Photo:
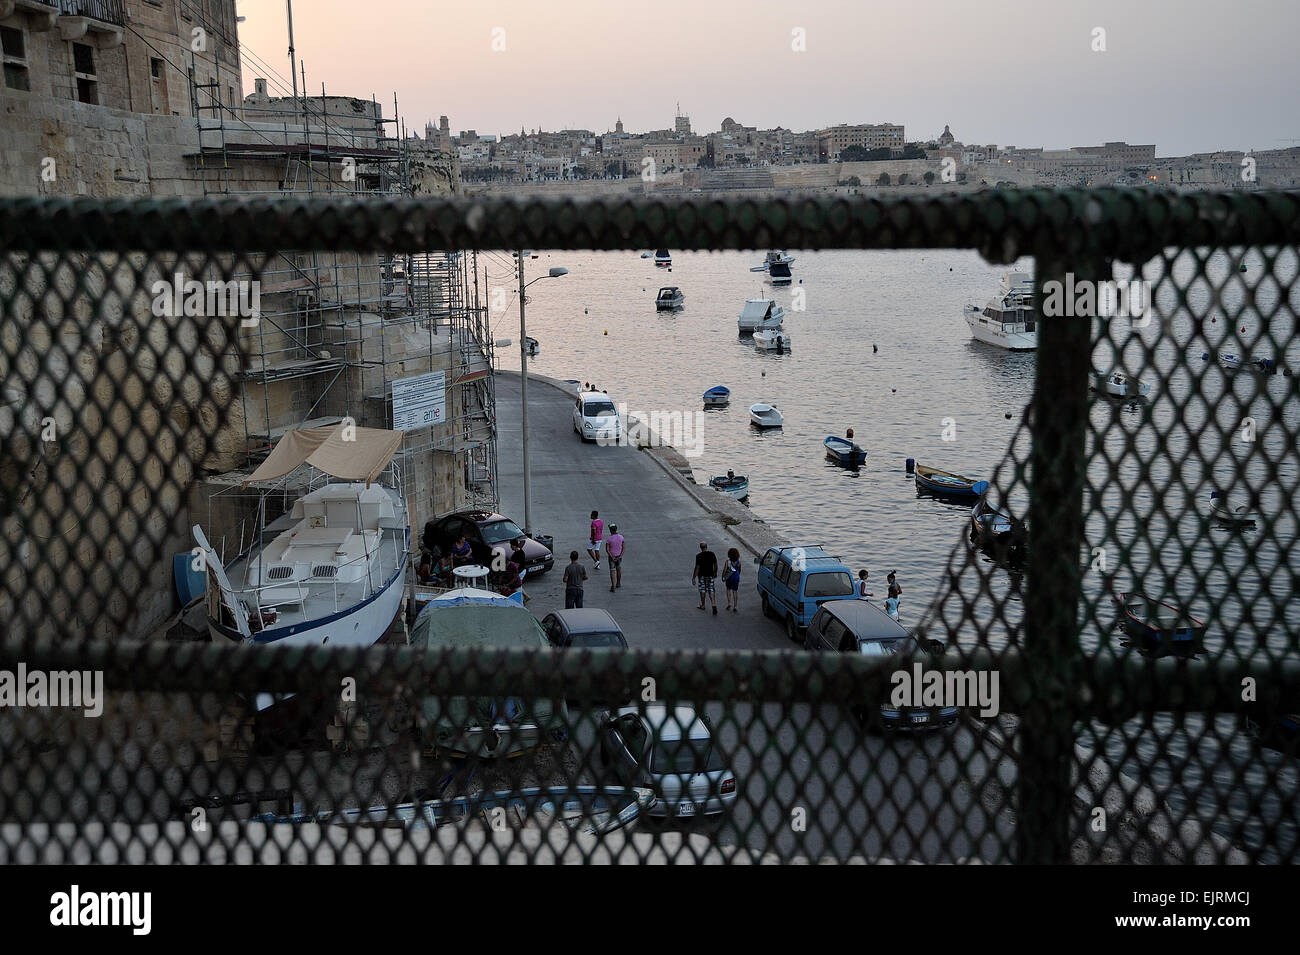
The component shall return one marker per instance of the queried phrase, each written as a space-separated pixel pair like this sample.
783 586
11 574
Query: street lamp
555 273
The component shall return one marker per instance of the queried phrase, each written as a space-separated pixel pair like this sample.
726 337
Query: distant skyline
1187 75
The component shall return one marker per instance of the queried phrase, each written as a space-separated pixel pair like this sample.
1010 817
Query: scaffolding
337 329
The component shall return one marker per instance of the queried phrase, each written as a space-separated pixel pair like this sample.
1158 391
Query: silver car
669 750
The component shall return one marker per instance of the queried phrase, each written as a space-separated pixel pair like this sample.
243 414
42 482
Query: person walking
731 577
863 592
593 541
706 569
574 575
615 547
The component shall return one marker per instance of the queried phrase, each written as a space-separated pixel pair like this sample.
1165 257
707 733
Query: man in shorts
593 541
706 569
615 548
574 575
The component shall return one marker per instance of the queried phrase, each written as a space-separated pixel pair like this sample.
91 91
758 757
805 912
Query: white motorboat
670 297
760 314
772 339
766 415
329 570
1119 385
662 259
1010 320
774 258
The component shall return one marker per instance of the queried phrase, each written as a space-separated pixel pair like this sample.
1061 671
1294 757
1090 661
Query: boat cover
359 456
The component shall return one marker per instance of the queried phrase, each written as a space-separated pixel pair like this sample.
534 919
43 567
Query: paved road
902 798
663 526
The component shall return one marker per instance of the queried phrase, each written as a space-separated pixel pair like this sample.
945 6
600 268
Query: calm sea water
879 345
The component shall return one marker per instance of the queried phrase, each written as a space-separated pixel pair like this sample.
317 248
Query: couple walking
706 570
575 574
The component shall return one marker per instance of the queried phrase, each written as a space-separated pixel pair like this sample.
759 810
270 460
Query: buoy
911 465
874 349
893 391
950 268
586 311
1008 415
1243 267
849 434
1243 328
1205 356
763 374
607 331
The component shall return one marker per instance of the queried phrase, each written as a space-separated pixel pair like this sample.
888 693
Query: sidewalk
662 518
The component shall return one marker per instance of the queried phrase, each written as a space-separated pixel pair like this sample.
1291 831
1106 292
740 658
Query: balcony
103 17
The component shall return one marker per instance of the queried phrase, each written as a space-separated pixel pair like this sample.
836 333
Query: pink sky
1189 75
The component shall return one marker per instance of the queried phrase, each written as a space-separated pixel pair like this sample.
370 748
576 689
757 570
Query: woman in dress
731 576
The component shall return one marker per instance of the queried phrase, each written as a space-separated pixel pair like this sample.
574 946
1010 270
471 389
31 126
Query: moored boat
990 526
948 484
1154 621
760 314
1238 515
773 339
663 259
1119 385
766 415
1010 319
532 346
843 451
779 274
669 297
717 396
736 485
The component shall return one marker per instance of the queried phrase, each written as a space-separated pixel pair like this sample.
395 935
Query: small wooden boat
669 298
844 452
736 485
766 415
717 396
1240 515
1119 385
1146 618
773 339
948 484
991 526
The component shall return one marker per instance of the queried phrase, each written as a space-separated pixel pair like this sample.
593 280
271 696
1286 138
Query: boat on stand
1010 319
331 568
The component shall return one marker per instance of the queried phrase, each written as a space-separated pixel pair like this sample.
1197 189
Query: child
891 606
863 592
894 589
597 532
731 576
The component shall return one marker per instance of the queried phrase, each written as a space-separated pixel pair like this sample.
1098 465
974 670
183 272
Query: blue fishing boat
844 452
717 396
948 484
1146 618
736 485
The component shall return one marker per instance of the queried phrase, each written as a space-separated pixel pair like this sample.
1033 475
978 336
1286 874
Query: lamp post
555 273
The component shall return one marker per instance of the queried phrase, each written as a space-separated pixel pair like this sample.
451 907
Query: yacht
331 568
1010 320
760 314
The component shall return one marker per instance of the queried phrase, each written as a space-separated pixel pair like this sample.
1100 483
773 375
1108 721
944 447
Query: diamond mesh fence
1125 587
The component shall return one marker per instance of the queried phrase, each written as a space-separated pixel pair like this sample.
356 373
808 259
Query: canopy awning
342 451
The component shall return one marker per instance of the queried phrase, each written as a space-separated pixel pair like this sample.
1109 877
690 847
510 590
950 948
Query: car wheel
791 629
767 608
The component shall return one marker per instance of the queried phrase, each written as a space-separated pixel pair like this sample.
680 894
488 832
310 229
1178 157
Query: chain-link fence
1151 487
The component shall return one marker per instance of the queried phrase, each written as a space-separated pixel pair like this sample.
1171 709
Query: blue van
794 581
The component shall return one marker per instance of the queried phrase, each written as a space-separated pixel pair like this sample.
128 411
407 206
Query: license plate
920 717
686 809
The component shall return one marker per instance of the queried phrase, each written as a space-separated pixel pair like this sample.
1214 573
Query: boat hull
738 490
766 422
948 485
845 453
994 334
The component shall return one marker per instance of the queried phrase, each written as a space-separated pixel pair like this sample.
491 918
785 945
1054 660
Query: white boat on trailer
331 569
1010 319
766 415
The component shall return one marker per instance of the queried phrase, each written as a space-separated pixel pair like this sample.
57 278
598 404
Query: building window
15 59
156 67
83 58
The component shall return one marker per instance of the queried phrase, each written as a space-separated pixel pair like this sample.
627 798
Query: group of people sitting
436 569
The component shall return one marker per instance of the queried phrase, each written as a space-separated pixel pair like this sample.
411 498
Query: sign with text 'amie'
419 401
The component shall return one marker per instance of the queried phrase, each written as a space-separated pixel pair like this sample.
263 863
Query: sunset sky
1188 75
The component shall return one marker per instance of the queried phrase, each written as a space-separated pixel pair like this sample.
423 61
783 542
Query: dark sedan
489 535
590 627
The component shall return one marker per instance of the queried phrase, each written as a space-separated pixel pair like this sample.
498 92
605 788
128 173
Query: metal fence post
1058 422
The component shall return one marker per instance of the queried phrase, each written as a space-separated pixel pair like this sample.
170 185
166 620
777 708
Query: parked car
857 626
595 417
489 534
793 582
588 627
671 751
